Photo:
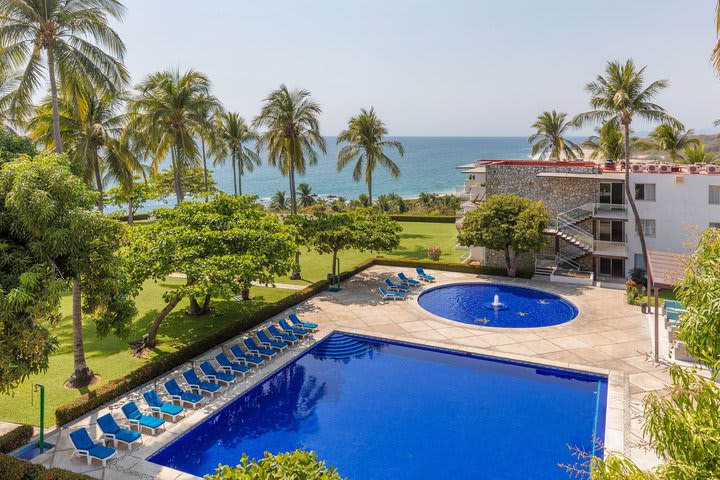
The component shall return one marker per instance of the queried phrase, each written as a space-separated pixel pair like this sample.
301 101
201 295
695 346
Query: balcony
610 211
603 248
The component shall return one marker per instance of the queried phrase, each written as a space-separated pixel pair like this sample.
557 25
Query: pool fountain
496 304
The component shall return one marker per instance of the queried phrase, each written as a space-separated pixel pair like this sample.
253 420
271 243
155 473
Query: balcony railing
610 249
609 210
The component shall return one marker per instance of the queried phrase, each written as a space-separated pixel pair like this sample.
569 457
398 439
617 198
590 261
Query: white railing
566 227
612 249
609 209
562 260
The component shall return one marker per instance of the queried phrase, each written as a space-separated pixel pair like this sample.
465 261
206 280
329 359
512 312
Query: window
639 261
714 194
645 191
612 267
714 224
648 227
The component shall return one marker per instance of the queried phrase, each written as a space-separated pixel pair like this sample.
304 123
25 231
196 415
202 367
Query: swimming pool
377 409
519 307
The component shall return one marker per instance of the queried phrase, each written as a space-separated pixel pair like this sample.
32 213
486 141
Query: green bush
449 267
424 218
15 438
285 466
12 468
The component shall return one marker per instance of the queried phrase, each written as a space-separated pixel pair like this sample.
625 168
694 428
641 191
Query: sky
430 68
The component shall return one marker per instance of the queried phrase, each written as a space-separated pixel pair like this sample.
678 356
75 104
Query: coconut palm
428 199
207 133
71 38
167 113
621 95
608 144
384 203
698 154
232 136
305 195
90 129
549 139
291 137
716 51
365 135
279 202
672 138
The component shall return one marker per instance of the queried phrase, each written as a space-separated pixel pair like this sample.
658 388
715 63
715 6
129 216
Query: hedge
424 218
114 388
12 468
15 438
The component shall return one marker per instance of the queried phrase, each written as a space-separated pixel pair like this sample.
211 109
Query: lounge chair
135 417
424 276
85 447
241 356
288 337
391 295
229 366
266 341
313 327
112 431
294 330
255 348
177 394
215 376
161 408
199 386
410 282
392 287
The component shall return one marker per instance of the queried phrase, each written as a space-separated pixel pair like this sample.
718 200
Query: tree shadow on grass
409 236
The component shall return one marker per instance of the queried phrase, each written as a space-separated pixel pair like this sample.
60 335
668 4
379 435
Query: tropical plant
448 204
698 154
608 145
621 95
398 203
508 223
716 51
279 202
167 113
284 466
434 253
133 194
339 205
384 203
365 136
207 133
193 180
13 145
305 195
549 139
232 136
672 138
428 199
73 38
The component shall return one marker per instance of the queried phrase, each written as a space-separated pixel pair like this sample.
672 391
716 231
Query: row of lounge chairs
253 353
399 291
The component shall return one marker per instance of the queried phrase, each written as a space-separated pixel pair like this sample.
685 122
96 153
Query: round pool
497 305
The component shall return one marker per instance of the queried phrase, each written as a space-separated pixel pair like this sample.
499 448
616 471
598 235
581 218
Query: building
593 229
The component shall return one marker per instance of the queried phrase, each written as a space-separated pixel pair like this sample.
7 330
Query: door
612 193
612 267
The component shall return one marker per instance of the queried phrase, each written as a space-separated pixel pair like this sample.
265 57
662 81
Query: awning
667 269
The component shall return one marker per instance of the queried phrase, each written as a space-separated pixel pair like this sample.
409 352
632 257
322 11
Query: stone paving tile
542 346
414 326
569 343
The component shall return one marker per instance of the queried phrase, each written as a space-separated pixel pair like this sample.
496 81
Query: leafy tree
50 210
61 35
221 246
284 466
428 199
362 229
509 223
621 96
306 196
672 138
698 154
193 181
338 205
608 145
364 200
448 204
169 110
13 145
134 195
550 137
365 136
232 136
279 202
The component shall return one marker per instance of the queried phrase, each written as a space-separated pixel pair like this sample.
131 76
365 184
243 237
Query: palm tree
306 196
279 202
621 95
292 133
384 203
70 39
207 132
90 128
549 137
716 51
232 136
608 144
366 145
698 154
167 113
673 139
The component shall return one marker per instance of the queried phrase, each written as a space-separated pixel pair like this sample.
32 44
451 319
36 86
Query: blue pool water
522 307
384 410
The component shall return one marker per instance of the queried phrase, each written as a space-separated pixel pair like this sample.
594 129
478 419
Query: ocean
428 166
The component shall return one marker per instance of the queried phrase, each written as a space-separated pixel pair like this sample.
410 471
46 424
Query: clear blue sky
446 67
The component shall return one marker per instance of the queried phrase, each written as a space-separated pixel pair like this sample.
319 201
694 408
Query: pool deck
608 337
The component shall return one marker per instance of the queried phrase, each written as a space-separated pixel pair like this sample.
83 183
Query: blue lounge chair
266 341
161 408
112 431
313 327
199 386
294 330
241 356
231 367
288 337
392 287
391 295
410 282
85 447
135 417
424 276
255 348
215 376
178 394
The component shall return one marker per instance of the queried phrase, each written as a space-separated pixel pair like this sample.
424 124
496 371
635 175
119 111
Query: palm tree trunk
130 211
82 375
240 175
54 96
99 182
369 183
205 175
232 160
179 195
631 201
295 275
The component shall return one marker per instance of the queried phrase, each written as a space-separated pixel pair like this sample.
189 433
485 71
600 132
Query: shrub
424 218
634 292
284 466
15 438
12 468
434 253
450 267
